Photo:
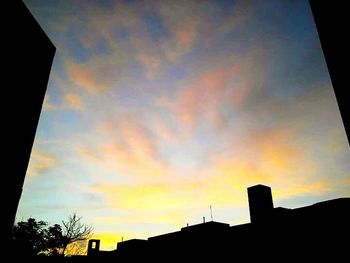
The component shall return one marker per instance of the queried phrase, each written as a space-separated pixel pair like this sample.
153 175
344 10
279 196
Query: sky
156 110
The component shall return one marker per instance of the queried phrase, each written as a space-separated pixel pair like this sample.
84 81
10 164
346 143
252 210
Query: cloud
47 104
185 36
164 132
269 159
152 191
73 101
114 39
88 153
217 90
276 150
84 77
241 12
271 154
130 149
283 148
130 162
182 42
41 163
150 63
208 93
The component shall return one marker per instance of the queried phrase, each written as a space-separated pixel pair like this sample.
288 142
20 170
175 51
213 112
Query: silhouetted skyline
156 111
272 233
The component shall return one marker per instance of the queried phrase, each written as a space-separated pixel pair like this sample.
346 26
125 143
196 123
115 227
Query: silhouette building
312 232
93 247
260 203
27 63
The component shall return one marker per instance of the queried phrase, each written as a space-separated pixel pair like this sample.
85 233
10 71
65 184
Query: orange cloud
73 100
41 162
84 77
277 149
130 162
133 151
270 157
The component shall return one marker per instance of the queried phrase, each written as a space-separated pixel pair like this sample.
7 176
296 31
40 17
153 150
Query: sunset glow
156 110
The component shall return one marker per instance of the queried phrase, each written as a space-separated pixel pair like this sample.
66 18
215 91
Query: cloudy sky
156 110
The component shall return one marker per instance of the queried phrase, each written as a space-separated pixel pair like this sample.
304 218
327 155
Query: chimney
93 247
260 203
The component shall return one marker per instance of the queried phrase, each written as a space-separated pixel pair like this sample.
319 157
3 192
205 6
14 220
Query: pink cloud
181 42
131 151
150 63
211 90
185 36
131 162
137 137
164 132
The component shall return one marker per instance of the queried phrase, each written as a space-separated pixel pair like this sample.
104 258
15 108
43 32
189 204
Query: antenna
211 213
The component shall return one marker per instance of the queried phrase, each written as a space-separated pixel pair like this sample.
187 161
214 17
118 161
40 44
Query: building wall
27 63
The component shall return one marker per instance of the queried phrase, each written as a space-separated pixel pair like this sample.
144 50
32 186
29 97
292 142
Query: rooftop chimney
93 247
260 203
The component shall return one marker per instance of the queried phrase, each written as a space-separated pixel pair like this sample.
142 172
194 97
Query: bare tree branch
74 231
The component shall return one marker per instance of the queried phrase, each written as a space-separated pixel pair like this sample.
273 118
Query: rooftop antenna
203 219
211 213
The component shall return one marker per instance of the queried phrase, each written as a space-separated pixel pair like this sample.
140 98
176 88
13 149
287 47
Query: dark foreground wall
27 57
332 19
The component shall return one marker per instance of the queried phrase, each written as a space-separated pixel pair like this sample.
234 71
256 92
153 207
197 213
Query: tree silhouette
33 237
30 237
74 231
54 240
